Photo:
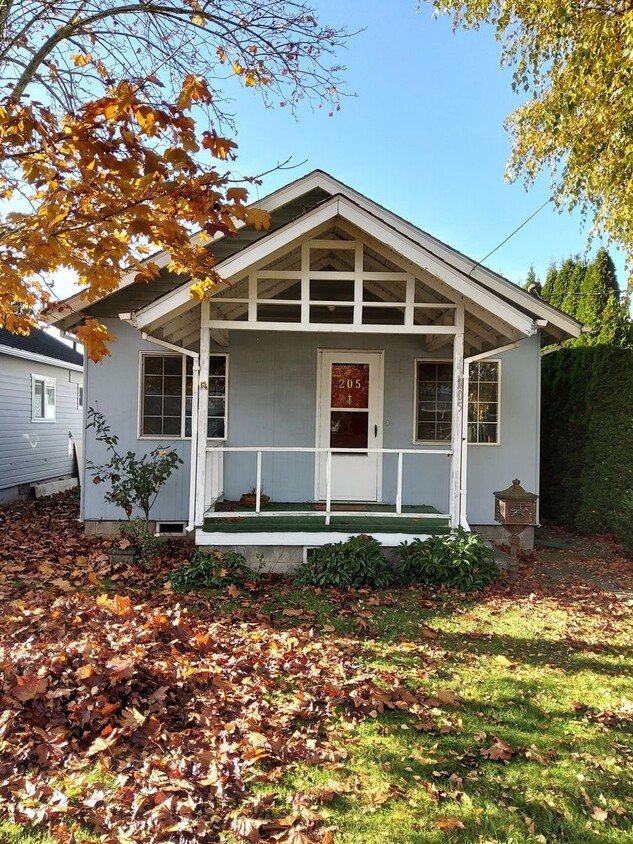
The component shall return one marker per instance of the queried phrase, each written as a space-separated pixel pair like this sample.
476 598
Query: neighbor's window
166 396
434 397
43 398
80 397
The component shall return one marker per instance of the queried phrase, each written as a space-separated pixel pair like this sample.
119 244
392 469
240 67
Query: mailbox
515 506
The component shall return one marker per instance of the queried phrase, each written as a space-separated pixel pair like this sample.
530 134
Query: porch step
287 523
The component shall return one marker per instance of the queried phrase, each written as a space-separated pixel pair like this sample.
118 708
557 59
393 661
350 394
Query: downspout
195 357
463 521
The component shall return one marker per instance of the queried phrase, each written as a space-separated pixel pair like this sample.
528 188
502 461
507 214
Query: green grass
515 672
516 664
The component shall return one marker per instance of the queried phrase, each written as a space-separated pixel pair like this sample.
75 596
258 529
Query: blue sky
424 137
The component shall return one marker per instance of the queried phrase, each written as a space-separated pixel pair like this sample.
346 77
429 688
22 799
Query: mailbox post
515 509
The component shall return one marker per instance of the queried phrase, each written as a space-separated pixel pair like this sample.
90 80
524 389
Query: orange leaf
448 823
29 687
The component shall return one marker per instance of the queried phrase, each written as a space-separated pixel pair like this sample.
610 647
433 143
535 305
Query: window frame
449 361
498 423
416 441
223 439
183 407
47 381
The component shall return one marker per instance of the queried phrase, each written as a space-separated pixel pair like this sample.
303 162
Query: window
434 397
80 397
166 396
42 399
434 401
483 402
216 425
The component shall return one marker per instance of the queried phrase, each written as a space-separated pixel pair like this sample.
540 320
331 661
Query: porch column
457 422
202 386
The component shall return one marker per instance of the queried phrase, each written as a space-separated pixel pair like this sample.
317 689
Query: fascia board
240 262
425 259
494 281
365 221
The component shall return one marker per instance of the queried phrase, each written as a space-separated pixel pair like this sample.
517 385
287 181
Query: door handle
375 430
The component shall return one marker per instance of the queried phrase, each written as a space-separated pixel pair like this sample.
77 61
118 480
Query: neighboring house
329 373
41 412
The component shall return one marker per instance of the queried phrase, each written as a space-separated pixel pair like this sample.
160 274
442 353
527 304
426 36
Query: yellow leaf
81 59
258 218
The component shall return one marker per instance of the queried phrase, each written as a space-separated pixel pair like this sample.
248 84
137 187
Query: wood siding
272 395
36 451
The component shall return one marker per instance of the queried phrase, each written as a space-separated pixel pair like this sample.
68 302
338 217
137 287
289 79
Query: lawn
133 713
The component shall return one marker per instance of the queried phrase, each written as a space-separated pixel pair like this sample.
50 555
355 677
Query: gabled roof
40 343
292 203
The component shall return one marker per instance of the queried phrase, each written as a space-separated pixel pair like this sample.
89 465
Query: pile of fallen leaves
139 720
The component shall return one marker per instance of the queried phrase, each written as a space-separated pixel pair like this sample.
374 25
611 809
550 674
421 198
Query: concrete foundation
51 487
497 533
274 559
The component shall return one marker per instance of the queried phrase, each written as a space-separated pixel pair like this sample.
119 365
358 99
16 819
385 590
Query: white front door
349 415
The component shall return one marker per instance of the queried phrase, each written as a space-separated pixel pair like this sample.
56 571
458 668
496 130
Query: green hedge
587 438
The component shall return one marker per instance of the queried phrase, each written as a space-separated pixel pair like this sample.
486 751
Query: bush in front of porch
460 560
358 562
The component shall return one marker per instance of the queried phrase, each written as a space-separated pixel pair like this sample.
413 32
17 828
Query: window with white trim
166 396
80 397
434 401
43 399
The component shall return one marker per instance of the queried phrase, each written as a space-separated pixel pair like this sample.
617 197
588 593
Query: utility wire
518 228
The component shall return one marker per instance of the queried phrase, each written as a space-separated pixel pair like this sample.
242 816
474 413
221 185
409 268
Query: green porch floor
284 521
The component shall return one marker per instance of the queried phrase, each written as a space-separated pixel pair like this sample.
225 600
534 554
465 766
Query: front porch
351 352
308 524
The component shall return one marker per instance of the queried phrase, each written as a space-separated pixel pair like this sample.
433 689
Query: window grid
434 392
43 399
167 392
483 402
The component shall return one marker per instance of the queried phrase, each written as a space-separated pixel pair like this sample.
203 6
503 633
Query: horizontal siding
35 451
113 386
272 401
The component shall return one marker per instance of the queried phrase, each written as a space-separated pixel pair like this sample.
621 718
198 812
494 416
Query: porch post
202 386
457 415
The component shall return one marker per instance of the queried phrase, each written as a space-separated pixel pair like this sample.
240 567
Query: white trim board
304 538
338 206
319 179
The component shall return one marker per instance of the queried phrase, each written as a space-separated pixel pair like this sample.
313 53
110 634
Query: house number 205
349 383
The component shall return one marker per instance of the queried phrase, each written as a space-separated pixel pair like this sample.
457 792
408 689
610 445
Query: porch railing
214 466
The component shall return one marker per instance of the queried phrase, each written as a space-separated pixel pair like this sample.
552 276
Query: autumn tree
115 134
574 60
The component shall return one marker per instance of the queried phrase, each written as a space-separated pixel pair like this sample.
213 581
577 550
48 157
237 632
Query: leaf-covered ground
131 713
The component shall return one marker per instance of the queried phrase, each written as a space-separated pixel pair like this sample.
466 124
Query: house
360 373
41 413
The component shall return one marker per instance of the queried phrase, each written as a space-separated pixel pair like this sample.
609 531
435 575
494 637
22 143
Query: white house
41 412
357 371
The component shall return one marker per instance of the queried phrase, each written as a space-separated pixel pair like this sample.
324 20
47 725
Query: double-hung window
434 401
43 399
166 396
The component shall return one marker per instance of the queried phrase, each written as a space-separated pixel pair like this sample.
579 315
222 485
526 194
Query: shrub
459 560
623 522
352 564
147 544
133 481
212 570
